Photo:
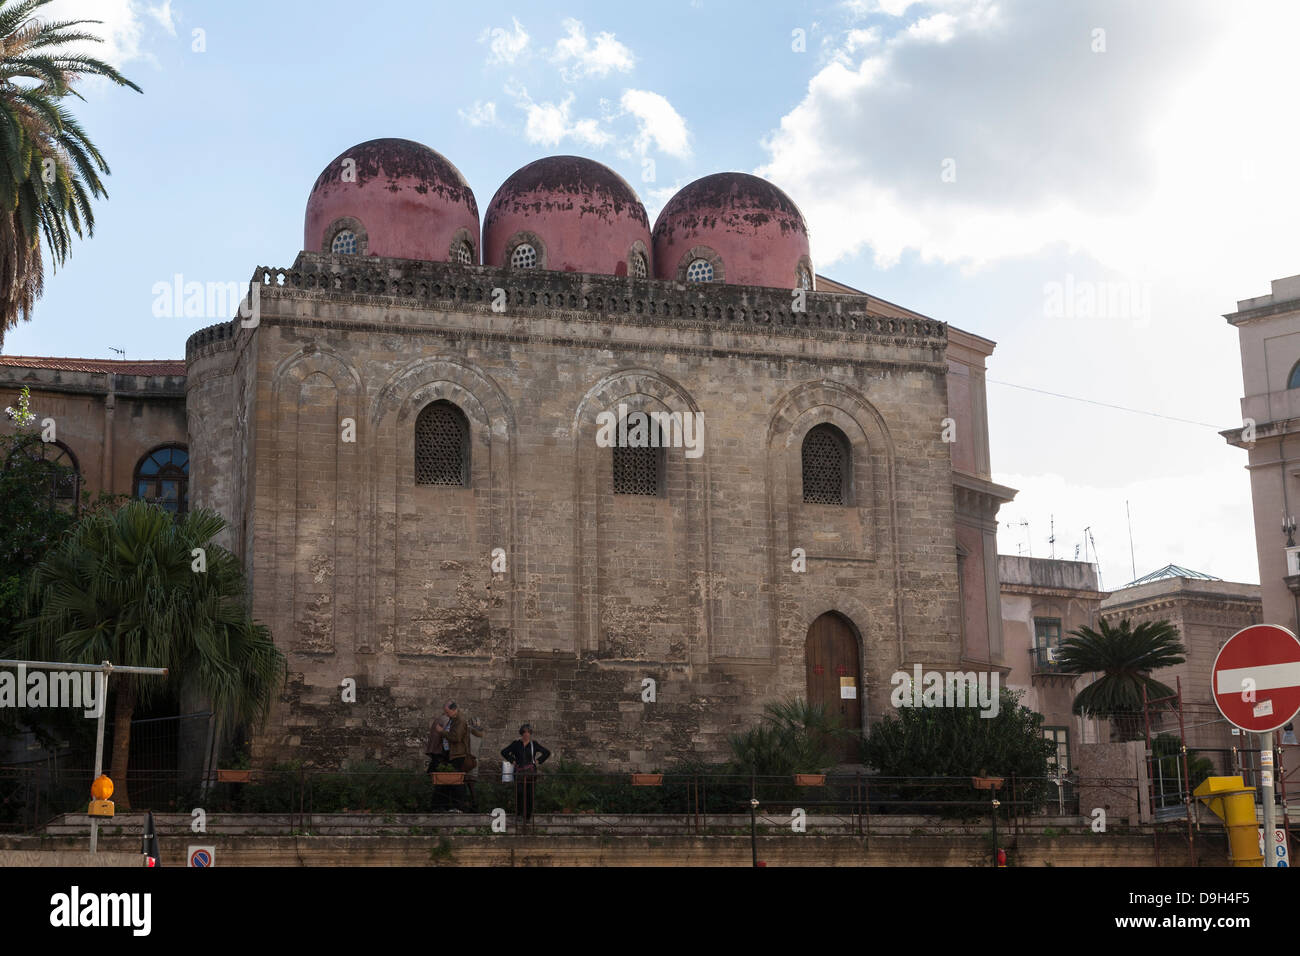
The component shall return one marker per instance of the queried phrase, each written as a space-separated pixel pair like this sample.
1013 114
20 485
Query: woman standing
527 755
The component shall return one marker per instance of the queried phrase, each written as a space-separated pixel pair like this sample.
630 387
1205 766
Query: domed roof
578 214
751 232
401 199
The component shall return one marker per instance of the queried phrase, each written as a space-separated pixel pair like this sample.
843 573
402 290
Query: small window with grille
462 253
442 445
700 270
639 464
826 466
524 257
638 266
803 278
345 242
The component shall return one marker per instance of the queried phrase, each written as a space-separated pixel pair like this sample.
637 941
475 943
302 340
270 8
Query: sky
1092 185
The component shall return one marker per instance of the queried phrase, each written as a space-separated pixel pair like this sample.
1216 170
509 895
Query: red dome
579 216
748 231
400 199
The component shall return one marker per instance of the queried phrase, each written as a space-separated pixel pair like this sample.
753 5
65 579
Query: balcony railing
1043 660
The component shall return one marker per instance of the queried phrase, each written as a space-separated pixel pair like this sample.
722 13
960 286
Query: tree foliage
127 586
1125 656
957 742
793 736
49 168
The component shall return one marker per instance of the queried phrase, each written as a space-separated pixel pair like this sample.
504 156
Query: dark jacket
521 755
433 746
458 737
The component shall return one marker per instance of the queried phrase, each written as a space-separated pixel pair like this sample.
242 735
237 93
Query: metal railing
306 800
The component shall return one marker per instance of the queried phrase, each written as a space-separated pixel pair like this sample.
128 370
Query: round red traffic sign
1256 678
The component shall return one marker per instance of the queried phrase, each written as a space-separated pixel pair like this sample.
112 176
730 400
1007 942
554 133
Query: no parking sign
201 856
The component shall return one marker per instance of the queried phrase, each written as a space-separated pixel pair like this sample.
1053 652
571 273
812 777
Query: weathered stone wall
364 574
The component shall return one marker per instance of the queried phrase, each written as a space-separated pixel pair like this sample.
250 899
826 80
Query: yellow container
1233 802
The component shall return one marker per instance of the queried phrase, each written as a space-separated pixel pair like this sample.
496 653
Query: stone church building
403 431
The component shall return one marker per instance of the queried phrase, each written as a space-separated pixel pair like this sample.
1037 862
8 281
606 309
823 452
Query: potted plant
239 771
444 774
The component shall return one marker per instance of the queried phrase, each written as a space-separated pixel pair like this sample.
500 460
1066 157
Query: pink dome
748 231
579 216
399 199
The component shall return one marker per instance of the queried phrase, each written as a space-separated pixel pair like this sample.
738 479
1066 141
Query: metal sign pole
101 671
101 680
1266 793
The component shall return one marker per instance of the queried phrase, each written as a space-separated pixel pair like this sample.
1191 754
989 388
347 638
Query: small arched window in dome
524 257
345 243
637 265
803 278
462 253
700 270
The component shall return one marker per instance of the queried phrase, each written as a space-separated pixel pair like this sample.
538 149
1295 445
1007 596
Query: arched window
638 457
345 242
1293 380
462 253
826 466
524 257
803 278
700 270
637 265
63 484
163 476
442 445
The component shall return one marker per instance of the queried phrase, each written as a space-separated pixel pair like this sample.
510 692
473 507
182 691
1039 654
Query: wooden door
831 654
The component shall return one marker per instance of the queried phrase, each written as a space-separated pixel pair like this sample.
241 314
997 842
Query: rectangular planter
647 779
234 776
810 779
445 778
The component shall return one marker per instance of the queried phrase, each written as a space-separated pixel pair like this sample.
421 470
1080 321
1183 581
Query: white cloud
579 57
1118 155
480 114
505 46
121 28
657 123
549 124
163 14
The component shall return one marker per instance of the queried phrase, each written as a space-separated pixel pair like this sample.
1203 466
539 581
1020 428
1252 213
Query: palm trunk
123 708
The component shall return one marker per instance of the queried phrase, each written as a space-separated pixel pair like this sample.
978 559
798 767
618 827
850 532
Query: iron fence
562 801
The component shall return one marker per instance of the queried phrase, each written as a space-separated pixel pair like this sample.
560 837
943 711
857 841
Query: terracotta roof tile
117 366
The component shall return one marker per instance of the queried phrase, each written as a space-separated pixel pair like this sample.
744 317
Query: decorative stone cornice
470 289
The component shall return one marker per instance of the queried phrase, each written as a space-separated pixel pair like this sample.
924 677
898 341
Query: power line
1089 401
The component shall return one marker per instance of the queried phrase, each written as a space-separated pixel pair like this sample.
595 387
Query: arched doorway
834 681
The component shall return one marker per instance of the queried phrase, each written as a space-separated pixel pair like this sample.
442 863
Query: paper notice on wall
848 689
1263 709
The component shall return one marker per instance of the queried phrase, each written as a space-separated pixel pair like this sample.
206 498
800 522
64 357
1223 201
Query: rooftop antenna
1131 558
1096 560
1051 539
1076 552
1028 540
121 352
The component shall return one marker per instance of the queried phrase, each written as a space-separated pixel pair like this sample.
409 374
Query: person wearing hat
527 755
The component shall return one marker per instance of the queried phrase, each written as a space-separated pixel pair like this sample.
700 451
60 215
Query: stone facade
364 574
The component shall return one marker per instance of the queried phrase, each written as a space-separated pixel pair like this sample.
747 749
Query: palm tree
1125 656
127 587
49 168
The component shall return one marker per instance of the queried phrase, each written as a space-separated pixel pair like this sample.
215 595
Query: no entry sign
1256 678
